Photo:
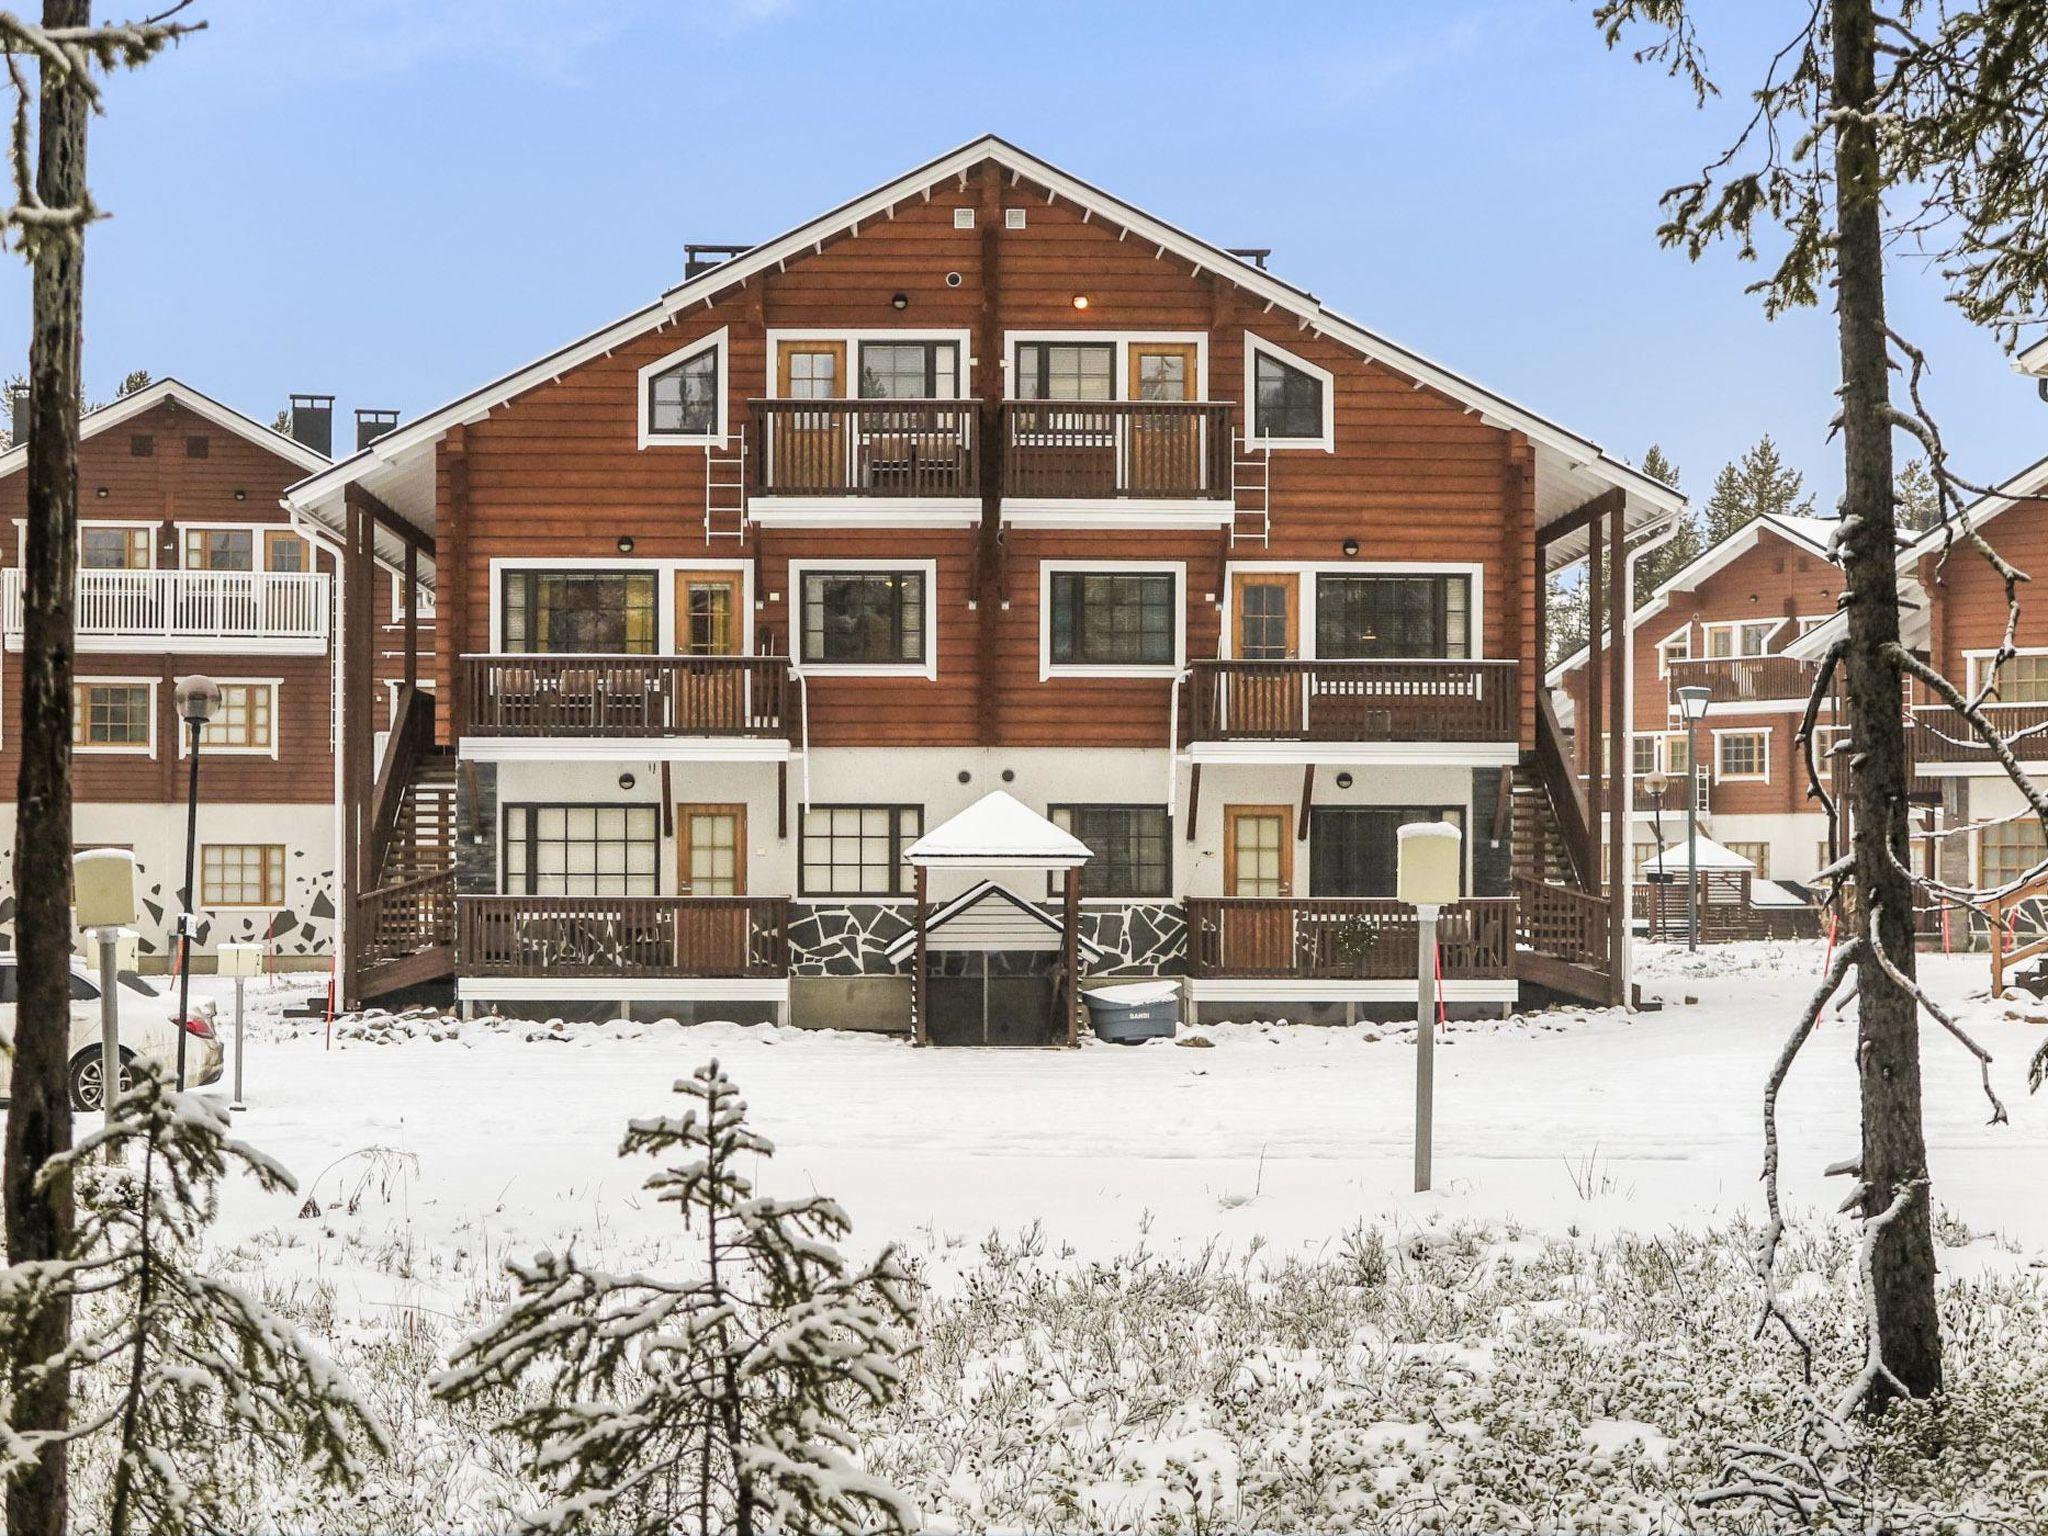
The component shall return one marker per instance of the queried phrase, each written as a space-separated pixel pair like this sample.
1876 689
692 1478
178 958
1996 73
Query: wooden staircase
1562 930
405 923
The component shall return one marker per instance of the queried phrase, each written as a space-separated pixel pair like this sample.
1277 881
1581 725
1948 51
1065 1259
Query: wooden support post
1194 797
782 801
1308 795
412 618
988 380
451 597
668 802
1070 943
919 1034
358 666
1618 759
1595 723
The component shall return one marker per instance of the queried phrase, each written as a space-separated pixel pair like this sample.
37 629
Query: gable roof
149 398
1815 534
1018 913
999 831
1572 469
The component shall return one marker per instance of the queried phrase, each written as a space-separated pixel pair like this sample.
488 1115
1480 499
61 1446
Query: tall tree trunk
39 1223
1888 1038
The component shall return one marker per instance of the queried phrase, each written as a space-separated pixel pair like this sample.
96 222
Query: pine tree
1917 498
1758 483
174 1367
709 1404
1684 546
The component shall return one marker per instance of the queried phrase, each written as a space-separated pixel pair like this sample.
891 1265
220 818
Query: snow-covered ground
1578 1119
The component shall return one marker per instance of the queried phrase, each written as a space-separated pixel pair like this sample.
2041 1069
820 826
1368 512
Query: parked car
149 1028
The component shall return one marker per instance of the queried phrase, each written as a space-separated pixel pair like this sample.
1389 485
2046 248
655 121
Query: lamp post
1692 704
197 698
103 887
1429 870
1654 784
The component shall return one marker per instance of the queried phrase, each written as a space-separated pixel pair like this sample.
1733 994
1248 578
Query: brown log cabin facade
1727 622
189 564
984 480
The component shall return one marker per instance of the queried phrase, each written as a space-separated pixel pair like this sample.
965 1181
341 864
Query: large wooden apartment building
984 481
189 564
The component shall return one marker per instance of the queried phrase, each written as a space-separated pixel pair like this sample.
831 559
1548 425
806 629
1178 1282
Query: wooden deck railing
882 448
1562 921
191 606
403 919
1344 938
1744 679
626 696
1467 701
1940 735
1154 450
606 936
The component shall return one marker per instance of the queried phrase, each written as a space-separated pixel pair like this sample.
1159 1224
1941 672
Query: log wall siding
557 471
170 487
1968 599
1773 578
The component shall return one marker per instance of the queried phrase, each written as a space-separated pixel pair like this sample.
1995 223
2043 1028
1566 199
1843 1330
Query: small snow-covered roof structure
998 831
1712 856
991 917
1769 893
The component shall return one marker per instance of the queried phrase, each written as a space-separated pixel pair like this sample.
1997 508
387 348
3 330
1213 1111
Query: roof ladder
1251 520
725 489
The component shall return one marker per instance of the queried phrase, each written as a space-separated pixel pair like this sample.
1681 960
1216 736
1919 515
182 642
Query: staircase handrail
1567 795
411 738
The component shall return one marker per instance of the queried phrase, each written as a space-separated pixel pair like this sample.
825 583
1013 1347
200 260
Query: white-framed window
245 724
114 715
2008 850
578 849
682 395
1111 618
2022 680
116 546
1646 755
1732 640
1742 755
866 618
217 546
857 850
1676 646
1289 401
1087 365
241 874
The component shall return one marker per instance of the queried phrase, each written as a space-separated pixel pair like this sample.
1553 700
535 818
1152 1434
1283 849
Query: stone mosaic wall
848 938
1140 939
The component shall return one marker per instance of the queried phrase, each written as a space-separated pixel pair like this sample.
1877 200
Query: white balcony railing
190 610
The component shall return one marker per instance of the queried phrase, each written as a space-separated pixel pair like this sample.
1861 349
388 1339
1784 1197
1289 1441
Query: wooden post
1595 722
358 655
412 616
1618 763
451 608
1194 797
988 380
919 1034
1070 944
1308 795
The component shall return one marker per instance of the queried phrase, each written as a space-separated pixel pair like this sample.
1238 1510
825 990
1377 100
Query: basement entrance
993 997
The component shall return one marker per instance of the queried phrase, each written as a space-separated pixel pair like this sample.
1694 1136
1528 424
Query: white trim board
623 749
603 989
1430 754
1049 669
1219 989
928 668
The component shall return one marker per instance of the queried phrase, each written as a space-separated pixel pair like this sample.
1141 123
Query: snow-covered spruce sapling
187 1378
716 1402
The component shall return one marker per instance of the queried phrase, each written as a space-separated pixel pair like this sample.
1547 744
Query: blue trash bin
1132 1012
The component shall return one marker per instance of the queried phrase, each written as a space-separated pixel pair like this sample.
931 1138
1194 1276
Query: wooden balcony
627 696
1344 938
1736 680
190 610
1937 734
1353 701
1675 800
605 937
1117 450
905 449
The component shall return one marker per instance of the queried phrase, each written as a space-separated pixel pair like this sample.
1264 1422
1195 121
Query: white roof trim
1709 561
999 831
903 944
2033 359
130 406
2029 482
1497 410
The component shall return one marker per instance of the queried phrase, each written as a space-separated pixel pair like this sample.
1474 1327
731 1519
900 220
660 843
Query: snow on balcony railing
192 607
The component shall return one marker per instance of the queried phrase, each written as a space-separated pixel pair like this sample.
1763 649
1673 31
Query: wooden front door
711 699
808 449
1165 447
1265 611
711 861
1258 864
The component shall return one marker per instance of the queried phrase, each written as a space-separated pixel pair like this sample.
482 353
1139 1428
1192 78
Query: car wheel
86 1085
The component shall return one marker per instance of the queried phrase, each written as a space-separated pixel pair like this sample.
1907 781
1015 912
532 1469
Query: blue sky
395 200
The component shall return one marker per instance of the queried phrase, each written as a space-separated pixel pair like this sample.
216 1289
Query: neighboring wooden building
188 564
983 480
1724 623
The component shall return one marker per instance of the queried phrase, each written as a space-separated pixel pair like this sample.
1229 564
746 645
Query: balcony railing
1745 679
1940 735
1421 701
190 608
1090 450
611 936
1678 790
1345 938
880 448
1563 921
573 695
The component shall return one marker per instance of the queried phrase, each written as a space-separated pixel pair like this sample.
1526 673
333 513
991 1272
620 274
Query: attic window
142 446
682 395
1290 398
198 447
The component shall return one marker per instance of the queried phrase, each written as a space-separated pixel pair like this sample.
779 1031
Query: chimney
371 425
17 415
702 258
1255 254
312 423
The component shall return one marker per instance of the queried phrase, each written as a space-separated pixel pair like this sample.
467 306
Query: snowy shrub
718 1401
189 1392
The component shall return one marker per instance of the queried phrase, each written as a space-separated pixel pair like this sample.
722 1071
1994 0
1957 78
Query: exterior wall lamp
899 301
1350 548
625 543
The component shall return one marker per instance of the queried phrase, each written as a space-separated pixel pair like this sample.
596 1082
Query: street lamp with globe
198 698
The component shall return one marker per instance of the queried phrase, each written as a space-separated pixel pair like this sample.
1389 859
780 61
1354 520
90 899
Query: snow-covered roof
150 396
2034 359
1712 856
1571 468
1815 534
999 831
